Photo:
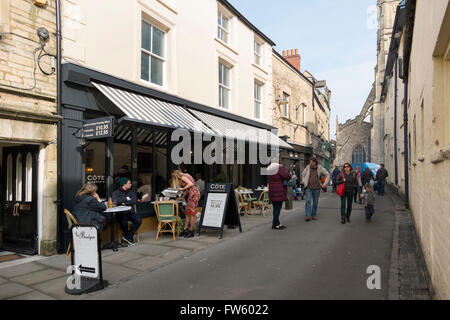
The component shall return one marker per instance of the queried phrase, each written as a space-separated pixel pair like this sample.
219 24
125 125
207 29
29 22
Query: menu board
98 128
220 208
85 245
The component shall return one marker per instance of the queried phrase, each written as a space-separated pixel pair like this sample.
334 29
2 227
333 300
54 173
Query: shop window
19 177
9 178
29 178
153 55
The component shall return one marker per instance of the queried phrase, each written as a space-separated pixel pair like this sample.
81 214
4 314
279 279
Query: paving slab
122 256
151 239
10 290
22 269
147 249
55 288
146 263
2 281
59 262
187 244
33 295
114 273
39 276
174 254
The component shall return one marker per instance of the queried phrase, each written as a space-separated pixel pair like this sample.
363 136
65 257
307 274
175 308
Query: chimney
293 58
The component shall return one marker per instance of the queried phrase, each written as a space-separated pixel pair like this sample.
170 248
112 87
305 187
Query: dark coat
351 181
335 174
125 198
87 210
382 174
366 176
277 190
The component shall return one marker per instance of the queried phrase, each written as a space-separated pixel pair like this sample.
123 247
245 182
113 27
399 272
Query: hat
123 181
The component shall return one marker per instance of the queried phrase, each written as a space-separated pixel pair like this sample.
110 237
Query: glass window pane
257 110
220 97
158 42
29 178
146 35
157 70
224 37
226 76
145 67
225 23
220 73
226 99
9 181
19 178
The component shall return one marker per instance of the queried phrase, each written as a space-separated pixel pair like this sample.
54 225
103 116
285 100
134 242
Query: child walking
369 202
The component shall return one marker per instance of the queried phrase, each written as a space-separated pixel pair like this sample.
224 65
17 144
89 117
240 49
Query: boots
183 233
348 219
189 234
343 220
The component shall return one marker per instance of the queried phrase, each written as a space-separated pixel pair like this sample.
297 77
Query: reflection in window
9 174
19 177
29 178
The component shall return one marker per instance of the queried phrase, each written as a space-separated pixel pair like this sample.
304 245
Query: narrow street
317 260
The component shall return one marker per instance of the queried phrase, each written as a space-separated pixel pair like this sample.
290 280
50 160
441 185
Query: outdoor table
246 191
113 243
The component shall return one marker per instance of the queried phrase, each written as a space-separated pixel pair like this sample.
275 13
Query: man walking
381 176
336 172
311 179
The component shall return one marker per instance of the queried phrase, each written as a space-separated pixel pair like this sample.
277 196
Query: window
359 155
257 49
152 54
304 114
19 177
258 100
9 178
286 105
29 178
223 28
224 86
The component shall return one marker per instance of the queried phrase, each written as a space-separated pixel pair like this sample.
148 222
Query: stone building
419 67
28 122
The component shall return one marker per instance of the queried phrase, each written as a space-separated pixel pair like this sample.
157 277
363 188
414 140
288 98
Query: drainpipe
395 121
59 130
405 131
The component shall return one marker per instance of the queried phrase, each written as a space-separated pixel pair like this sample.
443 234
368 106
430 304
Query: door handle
16 209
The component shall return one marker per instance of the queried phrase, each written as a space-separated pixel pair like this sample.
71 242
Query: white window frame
304 114
258 87
223 86
257 56
151 54
286 106
221 29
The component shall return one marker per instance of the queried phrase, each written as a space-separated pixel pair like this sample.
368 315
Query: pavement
314 260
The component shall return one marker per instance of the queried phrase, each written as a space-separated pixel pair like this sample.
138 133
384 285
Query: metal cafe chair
70 221
263 203
249 199
167 214
242 204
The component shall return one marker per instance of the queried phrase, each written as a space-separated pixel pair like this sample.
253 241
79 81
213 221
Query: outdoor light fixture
40 3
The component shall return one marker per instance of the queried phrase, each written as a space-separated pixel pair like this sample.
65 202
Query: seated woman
88 207
146 188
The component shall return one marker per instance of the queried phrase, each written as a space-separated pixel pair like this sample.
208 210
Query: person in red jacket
277 191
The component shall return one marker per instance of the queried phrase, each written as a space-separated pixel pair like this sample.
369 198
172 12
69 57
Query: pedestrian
186 184
381 176
88 207
126 197
367 177
277 191
311 179
336 172
359 185
348 177
369 202
200 184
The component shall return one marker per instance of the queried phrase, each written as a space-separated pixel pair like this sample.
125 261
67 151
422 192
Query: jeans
369 212
276 213
381 185
347 197
314 196
123 218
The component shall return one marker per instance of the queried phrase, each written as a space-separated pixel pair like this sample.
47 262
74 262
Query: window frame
154 55
258 88
221 29
286 107
223 86
257 55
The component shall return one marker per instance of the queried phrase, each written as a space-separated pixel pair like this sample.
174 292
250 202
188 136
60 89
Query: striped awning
142 108
144 137
240 131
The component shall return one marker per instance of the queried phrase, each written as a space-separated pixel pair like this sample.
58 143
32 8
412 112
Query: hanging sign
98 128
220 208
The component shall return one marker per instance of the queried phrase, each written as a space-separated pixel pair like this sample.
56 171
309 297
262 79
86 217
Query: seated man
124 196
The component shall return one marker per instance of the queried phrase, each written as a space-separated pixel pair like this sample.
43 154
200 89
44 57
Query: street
316 260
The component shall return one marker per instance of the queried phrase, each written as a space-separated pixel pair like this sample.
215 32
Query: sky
336 40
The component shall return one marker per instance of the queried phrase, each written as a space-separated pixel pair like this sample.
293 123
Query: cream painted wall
193 52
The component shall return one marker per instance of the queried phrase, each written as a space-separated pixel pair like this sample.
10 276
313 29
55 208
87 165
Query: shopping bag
341 188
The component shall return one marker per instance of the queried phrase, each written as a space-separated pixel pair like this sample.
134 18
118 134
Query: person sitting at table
126 197
186 183
88 207
146 188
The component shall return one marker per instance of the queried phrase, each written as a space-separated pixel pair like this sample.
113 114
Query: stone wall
348 137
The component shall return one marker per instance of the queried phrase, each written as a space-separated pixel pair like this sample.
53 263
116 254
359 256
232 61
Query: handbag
341 188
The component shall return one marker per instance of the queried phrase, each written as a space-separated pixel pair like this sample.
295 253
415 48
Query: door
20 167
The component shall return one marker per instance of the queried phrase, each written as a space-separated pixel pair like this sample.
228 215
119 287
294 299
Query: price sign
98 128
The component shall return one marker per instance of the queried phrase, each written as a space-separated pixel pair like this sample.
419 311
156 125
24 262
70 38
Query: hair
176 177
88 188
368 186
198 176
351 168
314 159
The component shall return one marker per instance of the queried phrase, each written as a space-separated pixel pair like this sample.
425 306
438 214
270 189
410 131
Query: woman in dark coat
277 191
348 176
88 207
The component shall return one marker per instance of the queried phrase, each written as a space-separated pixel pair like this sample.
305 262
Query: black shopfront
139 146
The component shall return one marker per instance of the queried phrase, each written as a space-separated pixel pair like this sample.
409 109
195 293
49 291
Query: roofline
230 7
82 76
278 55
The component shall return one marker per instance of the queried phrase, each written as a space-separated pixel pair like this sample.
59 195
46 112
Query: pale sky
335 38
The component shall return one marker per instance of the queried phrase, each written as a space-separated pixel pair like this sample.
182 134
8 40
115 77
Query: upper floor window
224 86
286 105
258 53
153 55
223 28
258 99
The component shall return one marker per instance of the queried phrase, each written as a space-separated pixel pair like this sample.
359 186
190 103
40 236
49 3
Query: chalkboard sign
219 208
98 128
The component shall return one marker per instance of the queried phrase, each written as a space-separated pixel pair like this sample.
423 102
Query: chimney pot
296 51
292 52
284 53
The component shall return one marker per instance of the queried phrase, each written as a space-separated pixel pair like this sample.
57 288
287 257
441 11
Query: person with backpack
347 181
381 176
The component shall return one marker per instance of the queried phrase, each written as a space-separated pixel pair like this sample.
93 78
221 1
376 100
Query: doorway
19 198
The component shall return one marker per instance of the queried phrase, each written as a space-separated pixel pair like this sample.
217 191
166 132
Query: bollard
288 205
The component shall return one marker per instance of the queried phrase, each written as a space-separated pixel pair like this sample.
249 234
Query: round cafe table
113 244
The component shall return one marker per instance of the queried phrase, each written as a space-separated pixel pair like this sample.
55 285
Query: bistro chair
70 222
167 214
263 203
249 199
138 238
242 203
